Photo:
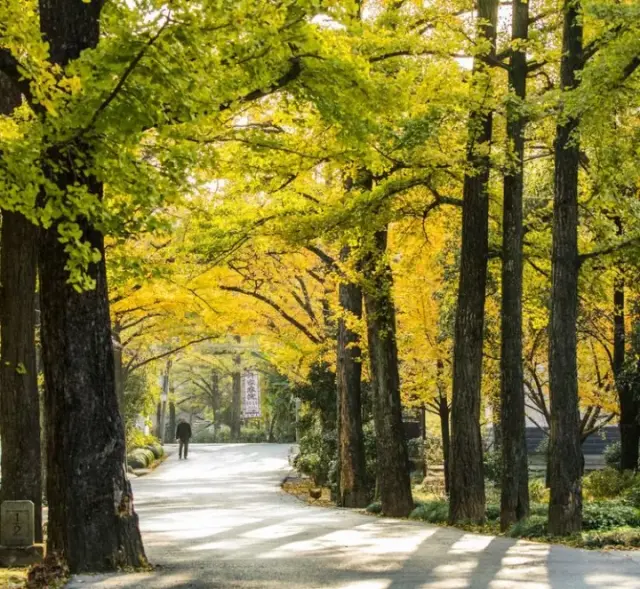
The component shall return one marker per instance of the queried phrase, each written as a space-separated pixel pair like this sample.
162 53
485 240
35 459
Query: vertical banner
250 394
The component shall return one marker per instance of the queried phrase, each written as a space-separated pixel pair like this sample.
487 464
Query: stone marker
17 535
17 523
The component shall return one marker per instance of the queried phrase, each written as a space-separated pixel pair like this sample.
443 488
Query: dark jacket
183 432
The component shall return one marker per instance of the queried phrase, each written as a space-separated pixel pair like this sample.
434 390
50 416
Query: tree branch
142 363
286 316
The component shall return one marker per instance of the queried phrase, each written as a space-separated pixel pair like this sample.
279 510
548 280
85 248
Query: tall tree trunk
443 414
236 398
467 500
172 421
215 402
514 500
565 506
19 396
446 441
92 523
629 427
393 460
352 476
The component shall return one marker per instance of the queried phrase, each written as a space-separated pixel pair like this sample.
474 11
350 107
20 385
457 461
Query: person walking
183 435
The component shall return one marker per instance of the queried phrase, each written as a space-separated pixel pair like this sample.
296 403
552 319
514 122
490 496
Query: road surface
220 520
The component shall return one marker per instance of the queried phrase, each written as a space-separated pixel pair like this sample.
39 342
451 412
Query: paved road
219 520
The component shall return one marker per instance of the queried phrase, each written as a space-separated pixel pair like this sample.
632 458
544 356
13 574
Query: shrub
317 451
415 448
375 507
534 527
535 509
626 536
607 483
435 512
140 458
538 492
613 455
543 446
248 435
632 494
493 466
138 439
157 449
605 515
539 509
204 436
370 451
252 435
493 511
435 454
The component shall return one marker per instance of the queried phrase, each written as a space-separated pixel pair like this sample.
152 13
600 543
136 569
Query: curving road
219 520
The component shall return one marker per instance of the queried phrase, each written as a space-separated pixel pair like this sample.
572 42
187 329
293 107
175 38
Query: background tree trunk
172 421
19 395
565 506
352 476
236 397
514 499
215 402
446 441
629 427
467 499
92 523
393 460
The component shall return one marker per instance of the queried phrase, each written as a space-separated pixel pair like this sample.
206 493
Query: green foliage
607 483
538 492
613 455
157 449
317 453
625 537
493 466
543 446
320 393
248 435
375 507
138 398
370 452
415 448
605 515
492 511
138 439
533 527
140 458
632 494
435 512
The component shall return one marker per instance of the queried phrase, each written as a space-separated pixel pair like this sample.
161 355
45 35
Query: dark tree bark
215 402
172 421
352 476
443 410
514 500
236 397
92 523
629 406
119 371
394 484
565 506
446 441
19 396
467 498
